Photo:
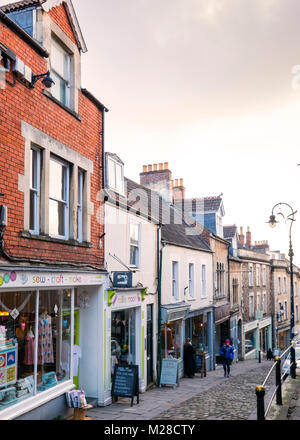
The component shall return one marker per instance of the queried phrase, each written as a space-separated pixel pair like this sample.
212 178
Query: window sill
60 104
34 402
70 242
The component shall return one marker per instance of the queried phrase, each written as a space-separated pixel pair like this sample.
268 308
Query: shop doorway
149 344
123 338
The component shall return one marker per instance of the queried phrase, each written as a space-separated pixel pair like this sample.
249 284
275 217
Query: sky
210 86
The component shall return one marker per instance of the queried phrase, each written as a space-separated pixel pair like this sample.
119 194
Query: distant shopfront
199 328
172 331
257 337
43 342
222 328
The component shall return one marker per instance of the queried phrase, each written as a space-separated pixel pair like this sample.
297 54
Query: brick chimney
241 237
262 245
248 237
178 190
158 177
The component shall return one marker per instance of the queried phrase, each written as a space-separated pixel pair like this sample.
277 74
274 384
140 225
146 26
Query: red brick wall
59 15
20 103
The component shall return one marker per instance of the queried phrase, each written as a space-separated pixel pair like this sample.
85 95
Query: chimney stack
248 237
158 177
178 190
241 237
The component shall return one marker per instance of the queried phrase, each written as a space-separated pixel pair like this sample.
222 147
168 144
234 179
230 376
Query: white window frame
112 180
54 73
175 280
204 287
37 190
250 276
137 265
65 202
192 280
80 201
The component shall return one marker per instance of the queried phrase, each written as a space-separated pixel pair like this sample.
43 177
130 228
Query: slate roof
175 230
21 4
205 204
229 231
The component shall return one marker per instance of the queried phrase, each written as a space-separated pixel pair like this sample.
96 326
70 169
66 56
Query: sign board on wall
36 280
126 300
122 279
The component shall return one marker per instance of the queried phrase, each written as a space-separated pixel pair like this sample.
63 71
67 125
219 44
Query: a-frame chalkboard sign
126 382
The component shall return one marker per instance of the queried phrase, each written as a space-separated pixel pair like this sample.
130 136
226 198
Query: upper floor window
297 314
26 19
80 206
279 285
257 275
285 310
264 303
284 285
295 289
203 280
250 276
191 281
115 176
251 306
235 287
175 287
35 190
59 198
134 244
264 275
60 73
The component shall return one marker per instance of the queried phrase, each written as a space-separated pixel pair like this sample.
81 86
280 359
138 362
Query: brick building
52 254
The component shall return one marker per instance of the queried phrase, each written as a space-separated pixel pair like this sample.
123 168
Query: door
149 344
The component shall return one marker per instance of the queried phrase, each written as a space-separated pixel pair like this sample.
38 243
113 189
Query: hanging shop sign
122 279
169 372
15 279
126 382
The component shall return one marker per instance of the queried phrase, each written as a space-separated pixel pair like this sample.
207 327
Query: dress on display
45 344
29 350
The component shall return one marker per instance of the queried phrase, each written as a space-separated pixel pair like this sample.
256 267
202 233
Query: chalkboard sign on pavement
126 382
169 372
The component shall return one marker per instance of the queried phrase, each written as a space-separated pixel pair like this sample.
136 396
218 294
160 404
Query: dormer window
26 19
115 175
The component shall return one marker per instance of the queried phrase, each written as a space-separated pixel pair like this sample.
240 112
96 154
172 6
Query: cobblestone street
210 398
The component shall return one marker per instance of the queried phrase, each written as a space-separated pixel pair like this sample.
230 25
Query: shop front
42 346
125 334
172 331
284 335
222 328
199 328
257 337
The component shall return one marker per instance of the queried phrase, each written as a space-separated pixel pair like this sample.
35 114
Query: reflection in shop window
34 347
171 340
123 338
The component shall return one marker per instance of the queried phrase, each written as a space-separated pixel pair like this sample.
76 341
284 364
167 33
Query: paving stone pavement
211 398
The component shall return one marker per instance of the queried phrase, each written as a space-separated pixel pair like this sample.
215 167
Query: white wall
185 256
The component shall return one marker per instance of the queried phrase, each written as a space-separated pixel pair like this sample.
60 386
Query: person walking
189 359
227 354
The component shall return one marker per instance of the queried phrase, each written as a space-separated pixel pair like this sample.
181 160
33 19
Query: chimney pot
161 166
166 165
144 168
155 167
149 168
181 182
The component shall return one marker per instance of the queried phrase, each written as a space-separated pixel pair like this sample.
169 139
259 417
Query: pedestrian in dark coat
227 354
189 359
270 355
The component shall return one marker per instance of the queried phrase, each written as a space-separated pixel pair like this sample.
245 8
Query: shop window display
34 348
199 334
123 335
171 340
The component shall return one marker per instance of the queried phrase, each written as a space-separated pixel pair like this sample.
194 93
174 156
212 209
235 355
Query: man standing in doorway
227 354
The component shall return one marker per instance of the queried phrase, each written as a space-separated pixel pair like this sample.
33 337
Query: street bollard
293 361
259 357
278 381
260 394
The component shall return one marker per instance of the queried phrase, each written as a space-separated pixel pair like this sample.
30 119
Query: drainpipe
159 269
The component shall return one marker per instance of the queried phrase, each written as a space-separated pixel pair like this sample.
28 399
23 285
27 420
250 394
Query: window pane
24 19
59 61
17 341
134 234
134 255
56 218
119 185
54 339
58 182
32 219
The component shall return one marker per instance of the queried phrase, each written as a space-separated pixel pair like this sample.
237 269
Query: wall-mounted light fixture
47 80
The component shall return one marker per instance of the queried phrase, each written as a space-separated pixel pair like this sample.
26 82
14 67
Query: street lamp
272 222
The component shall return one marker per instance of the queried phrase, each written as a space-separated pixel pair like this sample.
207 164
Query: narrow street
210 398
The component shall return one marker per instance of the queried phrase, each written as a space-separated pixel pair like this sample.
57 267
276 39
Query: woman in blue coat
227 354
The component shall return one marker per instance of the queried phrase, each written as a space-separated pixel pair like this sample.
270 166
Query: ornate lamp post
272 222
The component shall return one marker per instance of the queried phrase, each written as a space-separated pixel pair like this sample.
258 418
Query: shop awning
174 312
